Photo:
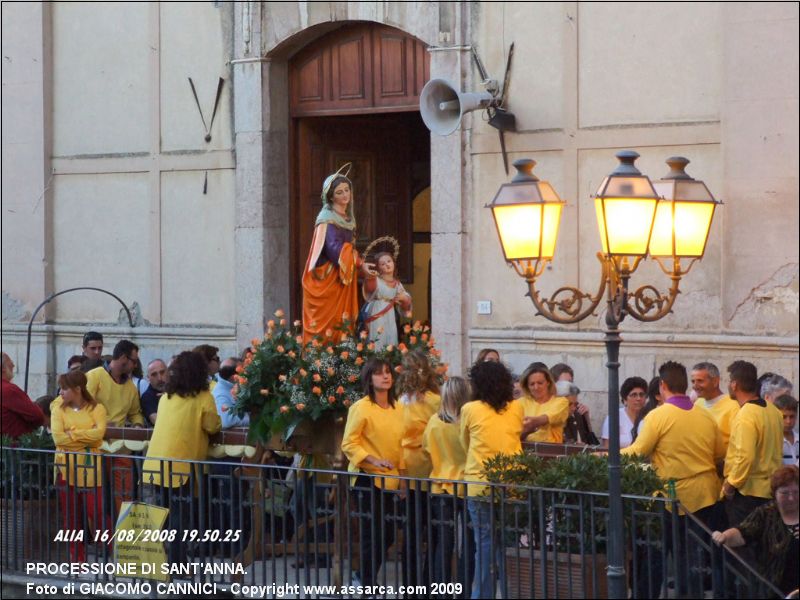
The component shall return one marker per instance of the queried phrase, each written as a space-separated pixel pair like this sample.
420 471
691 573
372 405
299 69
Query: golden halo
384 239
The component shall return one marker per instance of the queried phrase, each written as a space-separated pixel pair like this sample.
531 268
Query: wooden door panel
358 69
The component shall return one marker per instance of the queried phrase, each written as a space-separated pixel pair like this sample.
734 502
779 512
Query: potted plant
560 534
29 509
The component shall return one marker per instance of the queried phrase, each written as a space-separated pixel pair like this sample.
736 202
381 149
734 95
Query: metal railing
277 530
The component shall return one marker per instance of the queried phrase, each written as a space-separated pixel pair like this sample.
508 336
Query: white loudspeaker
442 106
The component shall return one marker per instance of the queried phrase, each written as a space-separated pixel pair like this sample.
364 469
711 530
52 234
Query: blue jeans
488 551
448 514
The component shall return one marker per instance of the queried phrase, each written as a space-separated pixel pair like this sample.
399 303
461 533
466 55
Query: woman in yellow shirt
187 416
371 444
545 413
419 395
490 425
441 443
78 424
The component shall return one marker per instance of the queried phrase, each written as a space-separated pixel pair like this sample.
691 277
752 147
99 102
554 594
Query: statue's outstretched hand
369 269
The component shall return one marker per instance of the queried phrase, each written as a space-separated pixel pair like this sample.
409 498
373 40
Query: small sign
484 307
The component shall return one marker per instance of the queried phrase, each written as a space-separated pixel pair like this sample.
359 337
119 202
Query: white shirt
791 451
625 427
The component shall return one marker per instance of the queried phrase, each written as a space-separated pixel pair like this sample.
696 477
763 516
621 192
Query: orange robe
329 290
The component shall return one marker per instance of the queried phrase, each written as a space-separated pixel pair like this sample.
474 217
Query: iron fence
281 530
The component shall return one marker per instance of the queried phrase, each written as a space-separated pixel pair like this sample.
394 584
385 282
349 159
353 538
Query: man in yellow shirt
684 444
755 447
705 382
112 387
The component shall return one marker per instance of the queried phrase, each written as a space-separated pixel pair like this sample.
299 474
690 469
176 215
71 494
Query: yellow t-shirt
723 411
755 449
181 432
373 430
441 442
120 399
557 411
416 415
485 434
78 431
683 445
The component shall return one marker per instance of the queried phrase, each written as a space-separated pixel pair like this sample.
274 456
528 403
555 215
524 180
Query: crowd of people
731 459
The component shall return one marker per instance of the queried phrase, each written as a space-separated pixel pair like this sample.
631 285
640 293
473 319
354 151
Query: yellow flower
271 324
329 332
299 339
380 330
303 372
331 371
280 349
300 406
390 347
279 313
371 346
284 409
298 323
316 390
412 339
264 392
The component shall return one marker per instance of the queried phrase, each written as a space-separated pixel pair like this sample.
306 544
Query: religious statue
384 295
330 277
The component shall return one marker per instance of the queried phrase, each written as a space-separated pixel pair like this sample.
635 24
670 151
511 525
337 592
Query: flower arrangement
283 382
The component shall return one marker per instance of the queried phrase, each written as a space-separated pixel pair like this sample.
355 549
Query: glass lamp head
625 204
684 215
527 213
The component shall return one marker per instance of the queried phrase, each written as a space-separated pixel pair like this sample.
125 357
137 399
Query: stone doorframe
266 35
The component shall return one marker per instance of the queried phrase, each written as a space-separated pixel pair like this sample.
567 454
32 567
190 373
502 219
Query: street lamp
668 220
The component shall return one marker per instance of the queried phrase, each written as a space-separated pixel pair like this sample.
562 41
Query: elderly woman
633 393
772 530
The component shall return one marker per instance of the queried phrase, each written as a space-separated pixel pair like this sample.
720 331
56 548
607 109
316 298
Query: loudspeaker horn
442 106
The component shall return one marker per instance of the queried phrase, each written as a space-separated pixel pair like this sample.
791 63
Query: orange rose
255 342
353 378
300 406
247 361
315 343
299 339
426 328
283 322
407 329
280 349
340 390
412 339
331 371
318 363
303 372
345 337
359 361
316 377
398 369
279 313
291 354
380 330
329 349
345 316
284 409
344 355
401 346
389 348
363 335
424 337
346 402
371 346
263 392
417 325
329 332
360 347
298 323
240 368
316 390
271 324
331 400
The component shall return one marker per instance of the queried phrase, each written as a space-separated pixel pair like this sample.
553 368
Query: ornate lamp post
669 220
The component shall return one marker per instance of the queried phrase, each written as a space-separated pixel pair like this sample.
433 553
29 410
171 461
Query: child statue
384 294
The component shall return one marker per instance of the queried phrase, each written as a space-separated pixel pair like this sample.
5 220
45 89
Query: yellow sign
139 540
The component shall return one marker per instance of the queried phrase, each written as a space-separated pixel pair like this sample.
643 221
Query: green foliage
566 511
27 475
283 381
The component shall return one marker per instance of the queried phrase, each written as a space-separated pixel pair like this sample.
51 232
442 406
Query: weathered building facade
115 174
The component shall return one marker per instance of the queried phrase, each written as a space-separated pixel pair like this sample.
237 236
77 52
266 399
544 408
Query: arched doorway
354 97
